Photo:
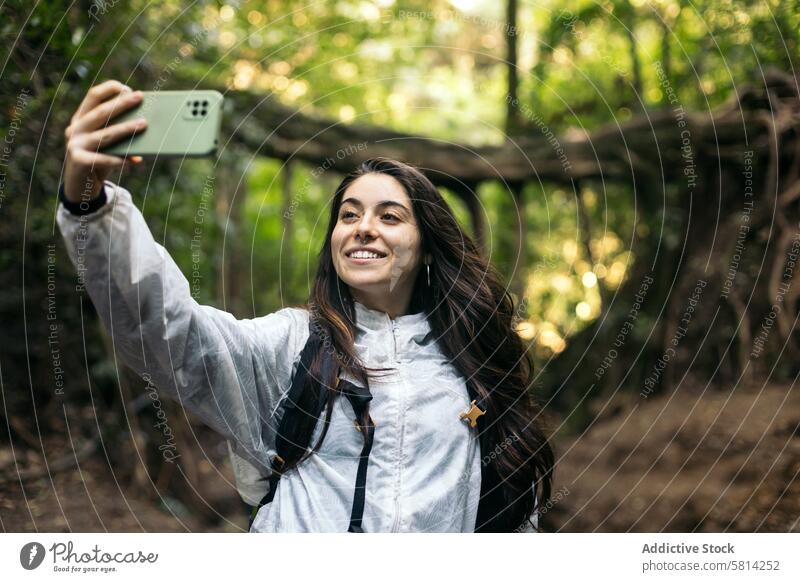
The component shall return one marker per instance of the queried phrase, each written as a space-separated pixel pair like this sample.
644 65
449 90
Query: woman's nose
366 227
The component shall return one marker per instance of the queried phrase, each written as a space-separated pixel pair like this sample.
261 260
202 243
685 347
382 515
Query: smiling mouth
365 256
361 260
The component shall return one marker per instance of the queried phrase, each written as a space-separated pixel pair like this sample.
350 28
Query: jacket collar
404 338
372 320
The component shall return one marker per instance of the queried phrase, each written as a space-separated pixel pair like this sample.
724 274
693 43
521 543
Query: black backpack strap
287 437
359 398
287 428
492 502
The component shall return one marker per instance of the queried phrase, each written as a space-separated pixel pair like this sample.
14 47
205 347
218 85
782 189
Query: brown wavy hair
471 315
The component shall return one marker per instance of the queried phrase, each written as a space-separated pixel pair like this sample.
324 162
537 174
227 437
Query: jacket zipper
394 337
396 524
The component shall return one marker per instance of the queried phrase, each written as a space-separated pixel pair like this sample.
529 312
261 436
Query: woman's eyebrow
383 203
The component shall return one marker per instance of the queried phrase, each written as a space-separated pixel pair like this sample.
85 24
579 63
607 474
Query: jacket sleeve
231 373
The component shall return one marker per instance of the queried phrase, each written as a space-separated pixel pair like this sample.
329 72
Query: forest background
630 166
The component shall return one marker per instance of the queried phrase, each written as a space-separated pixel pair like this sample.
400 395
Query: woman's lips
362 261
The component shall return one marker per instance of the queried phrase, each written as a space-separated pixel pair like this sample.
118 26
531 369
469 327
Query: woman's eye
387 216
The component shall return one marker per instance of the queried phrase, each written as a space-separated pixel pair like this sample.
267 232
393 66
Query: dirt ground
92 497
688 461
695 460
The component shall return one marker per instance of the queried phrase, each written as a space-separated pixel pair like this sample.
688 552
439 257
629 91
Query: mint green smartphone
179 123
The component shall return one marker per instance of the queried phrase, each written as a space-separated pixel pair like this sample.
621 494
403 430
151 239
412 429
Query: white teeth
364 255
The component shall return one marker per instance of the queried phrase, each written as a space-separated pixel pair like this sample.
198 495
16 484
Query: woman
405 320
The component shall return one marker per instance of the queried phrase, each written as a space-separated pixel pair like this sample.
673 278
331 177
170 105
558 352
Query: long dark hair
471 315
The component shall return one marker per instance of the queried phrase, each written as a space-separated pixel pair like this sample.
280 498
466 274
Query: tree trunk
229 207
519 225
514 125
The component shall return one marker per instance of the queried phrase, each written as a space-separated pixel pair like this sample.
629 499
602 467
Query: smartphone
179 123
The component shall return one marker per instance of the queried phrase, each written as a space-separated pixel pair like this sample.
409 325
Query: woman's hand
89 131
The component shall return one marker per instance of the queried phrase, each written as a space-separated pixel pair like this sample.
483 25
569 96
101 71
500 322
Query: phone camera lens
205 103
194 112
196 103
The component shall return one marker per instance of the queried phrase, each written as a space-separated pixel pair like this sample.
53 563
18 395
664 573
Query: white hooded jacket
424 471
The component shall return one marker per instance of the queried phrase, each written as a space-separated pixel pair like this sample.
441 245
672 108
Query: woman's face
376 213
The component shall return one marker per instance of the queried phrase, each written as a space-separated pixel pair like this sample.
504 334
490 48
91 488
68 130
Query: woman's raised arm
231 373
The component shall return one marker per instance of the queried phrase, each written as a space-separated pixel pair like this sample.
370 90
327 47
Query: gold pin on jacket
472 414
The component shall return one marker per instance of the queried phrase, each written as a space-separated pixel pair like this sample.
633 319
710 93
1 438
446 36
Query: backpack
291 436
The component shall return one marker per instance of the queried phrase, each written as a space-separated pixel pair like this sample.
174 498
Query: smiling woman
376 243
435 376
451 376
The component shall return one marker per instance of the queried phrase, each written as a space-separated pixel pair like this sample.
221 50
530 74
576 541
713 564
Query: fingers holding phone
89 131
182 124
